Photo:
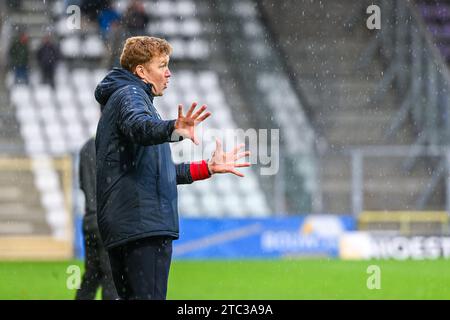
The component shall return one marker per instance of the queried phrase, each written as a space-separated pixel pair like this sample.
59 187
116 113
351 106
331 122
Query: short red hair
142 49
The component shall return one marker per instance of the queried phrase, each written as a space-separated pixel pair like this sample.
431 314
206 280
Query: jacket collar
147 87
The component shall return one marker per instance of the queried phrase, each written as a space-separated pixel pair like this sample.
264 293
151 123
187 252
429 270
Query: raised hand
225 162
185 125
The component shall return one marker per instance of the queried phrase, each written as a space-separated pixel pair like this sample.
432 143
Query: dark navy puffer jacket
136 177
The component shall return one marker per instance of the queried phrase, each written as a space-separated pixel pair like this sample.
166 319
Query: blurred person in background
14 4
117 37
107 17
97 267
19 57
47 58
92 8
135 18
68 3
137 180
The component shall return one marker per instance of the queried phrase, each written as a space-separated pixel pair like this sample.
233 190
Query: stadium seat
46 180
58 146
255 205
162 9
64 94
93 47
191 28
43 95
26 114
211 206
233 206
185 8
188 204
225 184
53 130
70 47
57 218
20 94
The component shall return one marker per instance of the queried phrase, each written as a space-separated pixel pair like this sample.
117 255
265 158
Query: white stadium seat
70 46
93 47
185 8
191 28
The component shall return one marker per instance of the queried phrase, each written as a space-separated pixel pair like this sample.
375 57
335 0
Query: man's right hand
185 124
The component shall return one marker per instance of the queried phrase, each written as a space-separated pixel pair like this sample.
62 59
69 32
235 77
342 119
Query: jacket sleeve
137 123
183 173
190 172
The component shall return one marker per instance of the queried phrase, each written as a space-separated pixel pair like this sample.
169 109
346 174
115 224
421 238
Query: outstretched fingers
199 112
191 109
180 111
218 144
242 165
238 147
239 174
241 155
203 117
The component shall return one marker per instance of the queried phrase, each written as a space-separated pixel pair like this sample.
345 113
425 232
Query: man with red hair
136 177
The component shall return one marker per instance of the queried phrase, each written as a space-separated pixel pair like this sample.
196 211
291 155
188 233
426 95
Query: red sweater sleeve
199 170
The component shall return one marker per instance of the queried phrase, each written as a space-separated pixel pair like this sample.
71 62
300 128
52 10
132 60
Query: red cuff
199 170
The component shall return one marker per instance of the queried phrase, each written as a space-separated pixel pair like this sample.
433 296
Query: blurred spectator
106 18
47 58
68 3
92 8
117 37
136 18
19 56
14 4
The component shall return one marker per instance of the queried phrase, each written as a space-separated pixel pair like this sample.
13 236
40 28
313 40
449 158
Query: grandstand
363 120
55 122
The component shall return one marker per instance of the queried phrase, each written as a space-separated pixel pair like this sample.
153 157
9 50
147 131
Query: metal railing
358 155
420 76
417 71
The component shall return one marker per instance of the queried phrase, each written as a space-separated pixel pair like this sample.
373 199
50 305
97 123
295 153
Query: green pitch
272 279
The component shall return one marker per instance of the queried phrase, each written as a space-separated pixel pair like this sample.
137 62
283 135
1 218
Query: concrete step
29 19
36 6
17 177
331 167
313 18
353 120
337 49
24 228
380 195
390 200
14 145
340 137
319 67
337 202
17 210
35 248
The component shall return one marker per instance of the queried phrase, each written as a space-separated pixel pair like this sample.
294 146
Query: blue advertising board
299 236
254 238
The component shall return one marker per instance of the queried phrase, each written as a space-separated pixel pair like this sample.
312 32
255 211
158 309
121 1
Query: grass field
272 279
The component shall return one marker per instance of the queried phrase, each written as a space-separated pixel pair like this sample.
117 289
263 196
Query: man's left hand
225 162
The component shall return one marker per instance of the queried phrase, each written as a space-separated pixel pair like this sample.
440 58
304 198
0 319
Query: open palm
225 162
185 124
